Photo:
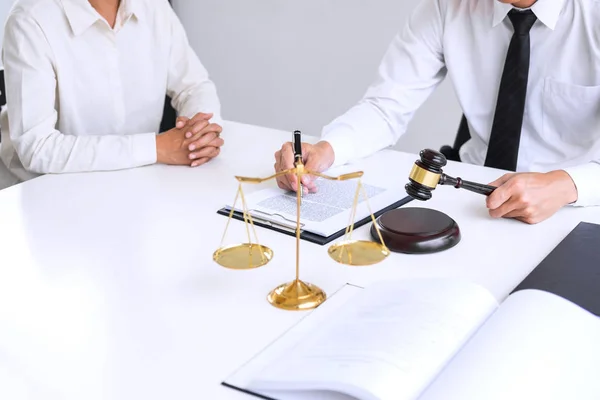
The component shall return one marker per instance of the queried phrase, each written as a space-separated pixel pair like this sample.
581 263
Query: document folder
309 236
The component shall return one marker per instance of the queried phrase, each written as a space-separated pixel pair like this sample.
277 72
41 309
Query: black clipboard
313 237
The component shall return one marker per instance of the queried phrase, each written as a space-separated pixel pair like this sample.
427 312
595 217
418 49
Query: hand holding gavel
427 173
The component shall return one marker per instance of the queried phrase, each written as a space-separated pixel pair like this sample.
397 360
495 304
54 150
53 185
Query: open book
430 340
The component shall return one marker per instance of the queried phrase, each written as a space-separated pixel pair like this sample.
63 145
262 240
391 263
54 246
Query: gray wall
297 64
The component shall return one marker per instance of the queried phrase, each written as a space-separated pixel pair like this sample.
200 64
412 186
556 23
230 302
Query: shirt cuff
585 178
143 148
340 142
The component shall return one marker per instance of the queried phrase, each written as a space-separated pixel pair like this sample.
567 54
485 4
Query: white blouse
82 96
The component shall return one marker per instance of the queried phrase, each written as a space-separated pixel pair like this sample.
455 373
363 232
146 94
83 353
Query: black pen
297 142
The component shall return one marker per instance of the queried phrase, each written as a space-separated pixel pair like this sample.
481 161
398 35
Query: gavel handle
471 186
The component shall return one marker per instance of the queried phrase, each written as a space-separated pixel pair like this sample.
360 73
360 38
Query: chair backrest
2 89
2 93
463 134
169 117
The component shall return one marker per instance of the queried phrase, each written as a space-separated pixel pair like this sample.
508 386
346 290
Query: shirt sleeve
411 69
189 85
31 105
586 178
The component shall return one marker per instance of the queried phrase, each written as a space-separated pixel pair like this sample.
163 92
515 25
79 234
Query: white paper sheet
387 342
325 212
535 346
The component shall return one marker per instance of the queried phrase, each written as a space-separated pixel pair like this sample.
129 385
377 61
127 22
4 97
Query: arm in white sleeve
189 85
586 178
410 71
32 115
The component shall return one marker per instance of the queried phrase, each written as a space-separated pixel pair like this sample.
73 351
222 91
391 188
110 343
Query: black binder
313 237
572 269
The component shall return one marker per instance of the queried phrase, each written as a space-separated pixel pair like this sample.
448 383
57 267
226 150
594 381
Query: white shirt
467 40
82 96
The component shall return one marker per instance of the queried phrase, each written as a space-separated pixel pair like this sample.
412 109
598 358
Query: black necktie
505 136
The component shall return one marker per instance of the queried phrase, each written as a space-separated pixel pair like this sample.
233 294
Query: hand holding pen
316 157
297 142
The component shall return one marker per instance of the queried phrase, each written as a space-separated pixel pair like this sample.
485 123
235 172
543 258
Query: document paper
324 212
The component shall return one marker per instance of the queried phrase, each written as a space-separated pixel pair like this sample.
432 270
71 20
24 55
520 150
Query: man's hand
202 138
531 197
316 158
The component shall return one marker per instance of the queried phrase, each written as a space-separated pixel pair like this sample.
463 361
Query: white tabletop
108 289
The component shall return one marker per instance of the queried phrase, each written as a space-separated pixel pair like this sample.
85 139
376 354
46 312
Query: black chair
169 118
2 89
2 92
462 136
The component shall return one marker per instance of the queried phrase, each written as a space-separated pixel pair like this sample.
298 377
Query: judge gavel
427 173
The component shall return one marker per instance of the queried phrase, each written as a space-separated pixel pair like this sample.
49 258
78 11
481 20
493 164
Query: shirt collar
81 15
547 11
132 8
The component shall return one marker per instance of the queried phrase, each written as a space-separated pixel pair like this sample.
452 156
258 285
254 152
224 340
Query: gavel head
425 174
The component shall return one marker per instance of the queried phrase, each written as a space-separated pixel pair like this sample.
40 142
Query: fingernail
188 135
194 164
192 156
192 147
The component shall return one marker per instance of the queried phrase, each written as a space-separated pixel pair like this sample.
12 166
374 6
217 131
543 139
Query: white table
108 289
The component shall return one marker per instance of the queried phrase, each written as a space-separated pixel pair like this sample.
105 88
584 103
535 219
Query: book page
387 342
286 343
536 346
324 212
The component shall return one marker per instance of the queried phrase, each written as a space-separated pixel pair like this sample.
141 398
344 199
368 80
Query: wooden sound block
416 230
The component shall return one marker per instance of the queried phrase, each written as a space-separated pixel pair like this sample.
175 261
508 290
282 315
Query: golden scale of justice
297 294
